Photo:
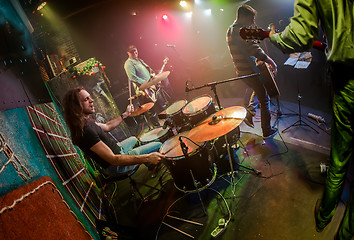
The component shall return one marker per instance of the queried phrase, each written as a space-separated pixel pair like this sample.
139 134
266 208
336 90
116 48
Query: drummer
139 72
93 139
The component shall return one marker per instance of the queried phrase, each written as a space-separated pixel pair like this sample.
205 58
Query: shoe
249 120
272 132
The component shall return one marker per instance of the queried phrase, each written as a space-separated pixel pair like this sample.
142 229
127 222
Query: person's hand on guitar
272 65
272 31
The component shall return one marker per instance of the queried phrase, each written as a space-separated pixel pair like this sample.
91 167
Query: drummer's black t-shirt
92 134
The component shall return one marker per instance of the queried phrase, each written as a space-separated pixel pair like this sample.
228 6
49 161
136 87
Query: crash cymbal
218 124
141 109
154 80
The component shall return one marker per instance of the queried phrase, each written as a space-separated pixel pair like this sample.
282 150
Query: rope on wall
21 170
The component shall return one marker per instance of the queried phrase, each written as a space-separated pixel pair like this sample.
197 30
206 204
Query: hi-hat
218 124
141 109
154 80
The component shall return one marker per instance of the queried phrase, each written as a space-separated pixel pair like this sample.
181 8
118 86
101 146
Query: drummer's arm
110 125
104 152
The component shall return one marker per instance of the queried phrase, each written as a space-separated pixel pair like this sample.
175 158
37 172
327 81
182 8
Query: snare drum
174 112
198 109
156 135
193 172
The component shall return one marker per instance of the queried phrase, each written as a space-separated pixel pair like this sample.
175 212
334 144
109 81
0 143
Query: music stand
299 61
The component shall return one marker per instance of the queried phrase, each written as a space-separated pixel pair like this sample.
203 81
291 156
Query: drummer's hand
130 109
155 157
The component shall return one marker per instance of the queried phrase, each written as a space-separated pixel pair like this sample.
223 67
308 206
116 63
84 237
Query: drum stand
221 227
212 85
233 180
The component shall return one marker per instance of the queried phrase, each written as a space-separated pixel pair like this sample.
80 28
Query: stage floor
276 203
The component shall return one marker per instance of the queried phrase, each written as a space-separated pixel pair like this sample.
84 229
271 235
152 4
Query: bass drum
198 109
193 171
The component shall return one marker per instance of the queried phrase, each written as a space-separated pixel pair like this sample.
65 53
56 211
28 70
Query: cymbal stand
164 95
212 85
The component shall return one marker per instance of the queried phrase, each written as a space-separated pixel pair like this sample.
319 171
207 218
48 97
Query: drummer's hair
246 11
73 113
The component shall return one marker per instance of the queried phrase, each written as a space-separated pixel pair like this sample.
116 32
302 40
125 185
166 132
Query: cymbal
218 124
154 80
141 109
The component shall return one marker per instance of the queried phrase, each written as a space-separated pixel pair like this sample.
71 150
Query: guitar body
268 81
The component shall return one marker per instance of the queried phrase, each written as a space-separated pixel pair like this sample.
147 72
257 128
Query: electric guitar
260 34
152 91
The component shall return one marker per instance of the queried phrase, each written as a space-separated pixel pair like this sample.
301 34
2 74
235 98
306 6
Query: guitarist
246 56
139 72
337 22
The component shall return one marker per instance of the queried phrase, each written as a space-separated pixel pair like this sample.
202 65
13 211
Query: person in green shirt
337 20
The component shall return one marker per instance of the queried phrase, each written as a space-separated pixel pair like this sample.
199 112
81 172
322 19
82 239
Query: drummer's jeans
263 99
341 156
127 147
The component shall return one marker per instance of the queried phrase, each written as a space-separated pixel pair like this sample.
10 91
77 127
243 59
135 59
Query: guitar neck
260 34
163 66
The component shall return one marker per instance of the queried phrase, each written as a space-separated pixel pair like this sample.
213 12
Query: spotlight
183 4
164 17
207 12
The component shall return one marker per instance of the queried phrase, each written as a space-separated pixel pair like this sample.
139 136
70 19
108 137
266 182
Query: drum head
154 134
176 107
196 105
172 147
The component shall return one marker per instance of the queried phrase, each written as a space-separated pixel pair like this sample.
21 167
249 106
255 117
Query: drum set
187 135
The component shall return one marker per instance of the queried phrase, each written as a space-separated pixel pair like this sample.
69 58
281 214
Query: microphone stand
185 153
212 85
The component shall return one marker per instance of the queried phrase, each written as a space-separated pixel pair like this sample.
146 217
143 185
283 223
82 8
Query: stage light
41 6
164 17
221 9
189 14
183 4
207 12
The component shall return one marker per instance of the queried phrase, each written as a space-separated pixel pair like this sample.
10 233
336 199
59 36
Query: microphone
170 45
315 117
183 147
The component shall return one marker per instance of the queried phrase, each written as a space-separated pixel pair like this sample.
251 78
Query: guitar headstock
253 33
166 59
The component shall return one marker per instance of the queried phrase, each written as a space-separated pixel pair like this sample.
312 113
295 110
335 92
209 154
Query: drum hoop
189 154
202 188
